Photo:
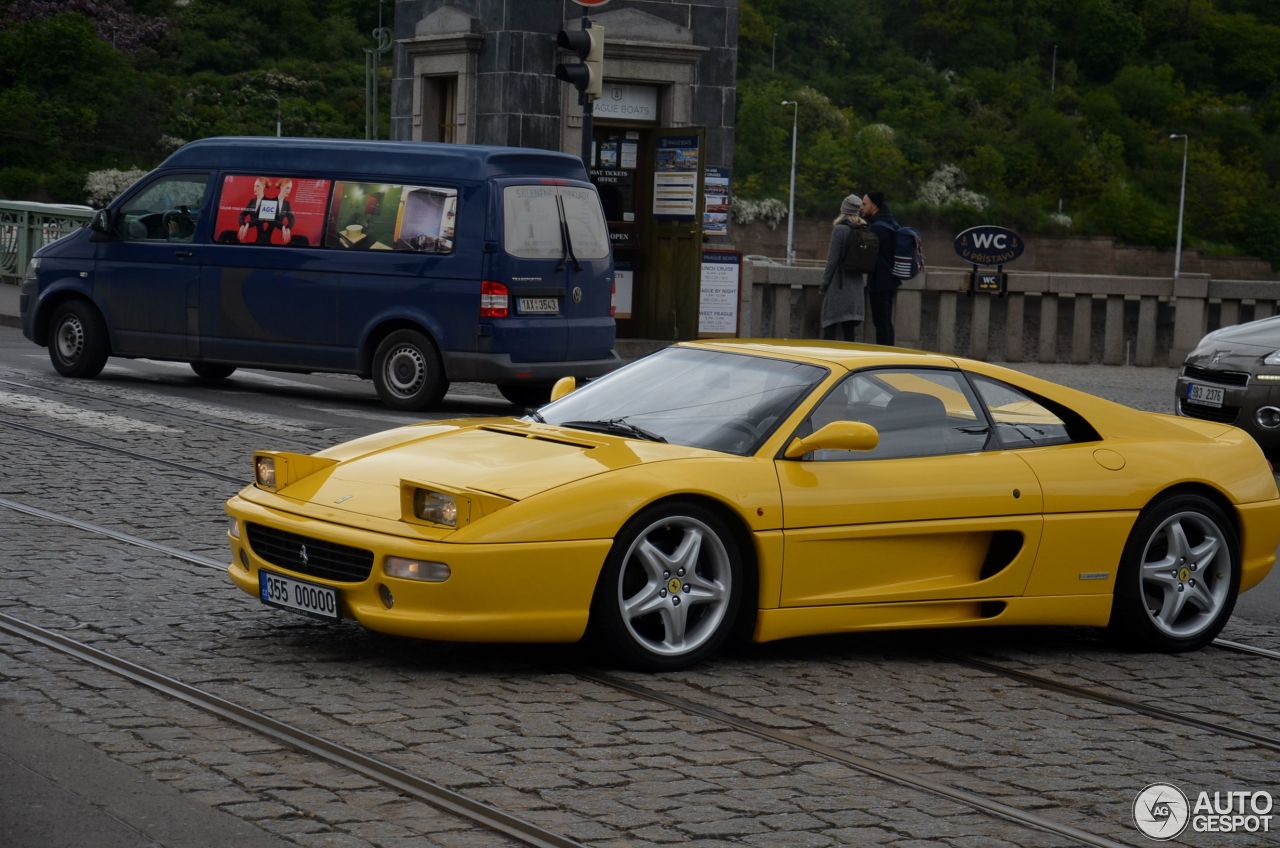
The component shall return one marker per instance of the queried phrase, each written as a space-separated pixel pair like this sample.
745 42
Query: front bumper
536 592
1240 405
27 307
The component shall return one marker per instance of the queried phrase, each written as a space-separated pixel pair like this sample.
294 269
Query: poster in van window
255 209
383 216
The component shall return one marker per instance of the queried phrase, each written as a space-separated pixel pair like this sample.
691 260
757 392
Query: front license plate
298 596
538 305
1206 395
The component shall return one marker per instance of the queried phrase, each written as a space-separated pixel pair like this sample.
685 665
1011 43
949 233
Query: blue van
415 264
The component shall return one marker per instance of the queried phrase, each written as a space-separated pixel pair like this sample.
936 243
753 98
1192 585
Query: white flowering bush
1060 219
100 187
945 187
769 210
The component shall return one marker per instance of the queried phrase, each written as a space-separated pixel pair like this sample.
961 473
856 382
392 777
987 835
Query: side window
387 216
917 412
260 209
1021 421
166 210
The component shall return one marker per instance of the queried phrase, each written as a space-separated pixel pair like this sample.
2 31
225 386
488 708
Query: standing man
881 283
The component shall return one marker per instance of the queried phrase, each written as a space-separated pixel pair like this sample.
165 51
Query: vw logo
302 555
577 294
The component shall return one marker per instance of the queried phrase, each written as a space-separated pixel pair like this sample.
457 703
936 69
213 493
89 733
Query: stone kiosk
483 72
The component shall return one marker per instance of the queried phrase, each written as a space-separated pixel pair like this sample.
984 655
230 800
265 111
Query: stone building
483 72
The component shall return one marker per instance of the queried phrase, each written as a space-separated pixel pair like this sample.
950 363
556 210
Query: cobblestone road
522 728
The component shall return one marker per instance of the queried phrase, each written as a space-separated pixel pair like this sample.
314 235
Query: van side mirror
838 435
562 387
101 222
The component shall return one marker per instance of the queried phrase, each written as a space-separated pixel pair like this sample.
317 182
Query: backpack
861 249
908 253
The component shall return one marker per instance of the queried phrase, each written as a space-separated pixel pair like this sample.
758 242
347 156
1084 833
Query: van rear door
556 264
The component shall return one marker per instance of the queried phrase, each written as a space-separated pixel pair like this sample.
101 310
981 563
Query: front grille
1223 414
323 559
1227 378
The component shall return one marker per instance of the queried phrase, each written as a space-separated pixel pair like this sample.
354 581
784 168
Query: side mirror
101 222
562 387
838 435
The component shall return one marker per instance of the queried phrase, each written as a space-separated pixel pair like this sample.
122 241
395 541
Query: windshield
699 398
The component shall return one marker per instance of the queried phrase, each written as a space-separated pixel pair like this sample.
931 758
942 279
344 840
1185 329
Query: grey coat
842 296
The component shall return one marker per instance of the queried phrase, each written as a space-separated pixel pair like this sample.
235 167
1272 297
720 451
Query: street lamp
1182 197
791 205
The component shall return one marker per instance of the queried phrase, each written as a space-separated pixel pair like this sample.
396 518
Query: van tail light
495 300
613 299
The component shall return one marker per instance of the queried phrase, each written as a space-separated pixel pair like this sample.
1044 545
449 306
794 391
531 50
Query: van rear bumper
498 368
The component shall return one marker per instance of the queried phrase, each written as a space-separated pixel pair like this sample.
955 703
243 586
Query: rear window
532 218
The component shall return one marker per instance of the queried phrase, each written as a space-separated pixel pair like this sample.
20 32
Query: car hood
509 458
1245 338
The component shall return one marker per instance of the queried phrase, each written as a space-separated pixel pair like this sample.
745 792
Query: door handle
183 254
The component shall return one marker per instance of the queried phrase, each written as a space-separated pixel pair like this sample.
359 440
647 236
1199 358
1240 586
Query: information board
721 282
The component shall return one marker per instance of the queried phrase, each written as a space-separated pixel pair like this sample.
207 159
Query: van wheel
526 394
77 340
407 371
212 370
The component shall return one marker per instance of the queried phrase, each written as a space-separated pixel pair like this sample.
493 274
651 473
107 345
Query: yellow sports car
775 489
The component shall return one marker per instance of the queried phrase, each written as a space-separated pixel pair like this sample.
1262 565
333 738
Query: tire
407 371
212 370
78 344
528 395
1179 576
678 567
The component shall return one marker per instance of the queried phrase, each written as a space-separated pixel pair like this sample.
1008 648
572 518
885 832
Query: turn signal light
495 300
412 569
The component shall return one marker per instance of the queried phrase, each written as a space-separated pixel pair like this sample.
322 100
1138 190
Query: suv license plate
538 305
297 596
1205 395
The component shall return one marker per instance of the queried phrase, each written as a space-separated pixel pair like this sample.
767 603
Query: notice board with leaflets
720 293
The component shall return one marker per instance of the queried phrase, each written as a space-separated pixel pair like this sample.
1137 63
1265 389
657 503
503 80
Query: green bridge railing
26 227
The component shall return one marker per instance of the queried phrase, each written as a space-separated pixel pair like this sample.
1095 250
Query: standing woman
842 290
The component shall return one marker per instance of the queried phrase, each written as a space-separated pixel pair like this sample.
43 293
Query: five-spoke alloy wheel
1180 575
670 590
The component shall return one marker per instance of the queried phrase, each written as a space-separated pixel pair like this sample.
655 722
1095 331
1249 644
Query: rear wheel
670 590
526 394
212 370
1179 577
78 344
407 371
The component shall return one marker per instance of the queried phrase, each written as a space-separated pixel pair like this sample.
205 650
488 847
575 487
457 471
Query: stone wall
1062 254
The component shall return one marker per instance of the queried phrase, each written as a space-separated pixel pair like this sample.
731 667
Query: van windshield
532 222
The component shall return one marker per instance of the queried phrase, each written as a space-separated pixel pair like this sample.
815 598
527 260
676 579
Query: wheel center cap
1184 574
673 586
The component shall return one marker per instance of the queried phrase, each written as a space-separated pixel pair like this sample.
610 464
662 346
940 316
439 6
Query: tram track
895 774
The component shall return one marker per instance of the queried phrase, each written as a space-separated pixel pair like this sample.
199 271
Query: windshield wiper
566 239
616 426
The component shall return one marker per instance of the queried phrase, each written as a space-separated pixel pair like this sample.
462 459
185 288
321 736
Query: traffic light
588 75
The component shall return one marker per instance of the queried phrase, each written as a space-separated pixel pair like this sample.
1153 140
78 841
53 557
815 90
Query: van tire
212 370
407 371
527 395
78 345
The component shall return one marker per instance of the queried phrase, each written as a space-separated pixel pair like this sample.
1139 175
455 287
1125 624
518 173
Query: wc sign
988 245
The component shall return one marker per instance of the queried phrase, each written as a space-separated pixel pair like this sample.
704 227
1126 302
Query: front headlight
264 472
32 267
436 507
1273 358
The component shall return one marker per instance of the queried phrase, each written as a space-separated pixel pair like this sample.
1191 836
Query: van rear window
532 215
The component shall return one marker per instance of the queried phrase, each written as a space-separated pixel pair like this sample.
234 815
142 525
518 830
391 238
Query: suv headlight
1272 359
32 267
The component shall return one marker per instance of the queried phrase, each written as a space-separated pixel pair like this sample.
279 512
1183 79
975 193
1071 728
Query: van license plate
538 305
1206 395
297 596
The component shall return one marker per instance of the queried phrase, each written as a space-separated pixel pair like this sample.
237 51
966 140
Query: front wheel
670 590
1179 577
78 345
212 371
407 371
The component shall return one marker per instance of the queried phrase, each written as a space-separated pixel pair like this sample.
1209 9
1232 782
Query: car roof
415 160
